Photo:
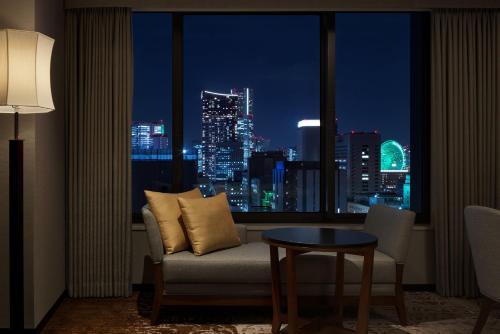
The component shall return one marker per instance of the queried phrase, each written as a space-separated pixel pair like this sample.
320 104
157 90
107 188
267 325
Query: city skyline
251 107
225 51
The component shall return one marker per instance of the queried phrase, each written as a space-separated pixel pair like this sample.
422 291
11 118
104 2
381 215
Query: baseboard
406 287
143 287
419 287
45 319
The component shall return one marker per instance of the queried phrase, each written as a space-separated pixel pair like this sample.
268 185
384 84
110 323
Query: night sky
278 56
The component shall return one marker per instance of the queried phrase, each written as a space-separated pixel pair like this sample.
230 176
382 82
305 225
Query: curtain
99 91
465 135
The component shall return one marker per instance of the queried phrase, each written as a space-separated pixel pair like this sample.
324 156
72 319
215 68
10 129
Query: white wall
418 270
44 209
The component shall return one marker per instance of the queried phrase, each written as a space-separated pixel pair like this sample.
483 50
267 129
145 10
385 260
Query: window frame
419 116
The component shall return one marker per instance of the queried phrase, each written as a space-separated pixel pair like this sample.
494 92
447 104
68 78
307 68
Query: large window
298 118
251 82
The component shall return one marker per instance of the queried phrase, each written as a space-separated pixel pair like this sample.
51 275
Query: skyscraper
245 127
260 170
308 148
361 153
219 133
149 138
296 186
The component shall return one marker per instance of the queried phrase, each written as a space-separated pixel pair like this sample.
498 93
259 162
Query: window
251 83
152 110
373 109
297 118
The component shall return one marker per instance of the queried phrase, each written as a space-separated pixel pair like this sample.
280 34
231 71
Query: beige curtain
465 135
99 91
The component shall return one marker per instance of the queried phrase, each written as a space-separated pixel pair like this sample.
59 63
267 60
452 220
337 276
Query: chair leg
158 296
400 296
486 306
400 306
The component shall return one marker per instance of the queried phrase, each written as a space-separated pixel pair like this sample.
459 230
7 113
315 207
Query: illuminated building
308 148
359 154
245 127
296 186
219 124
149 136
393 167
149 141
261 143
406 193
260 174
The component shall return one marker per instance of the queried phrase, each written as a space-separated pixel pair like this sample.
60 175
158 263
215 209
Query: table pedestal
334 325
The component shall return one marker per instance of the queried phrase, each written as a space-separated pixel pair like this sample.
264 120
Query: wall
44 181
49 242
419 268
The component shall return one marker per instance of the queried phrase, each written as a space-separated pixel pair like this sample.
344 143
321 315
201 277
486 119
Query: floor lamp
24 89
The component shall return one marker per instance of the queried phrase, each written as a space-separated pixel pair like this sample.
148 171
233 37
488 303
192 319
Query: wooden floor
428 313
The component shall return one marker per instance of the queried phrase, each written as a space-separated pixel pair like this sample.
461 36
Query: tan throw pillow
209 223
166 210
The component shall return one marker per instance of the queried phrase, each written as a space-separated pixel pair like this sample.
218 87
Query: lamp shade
25 72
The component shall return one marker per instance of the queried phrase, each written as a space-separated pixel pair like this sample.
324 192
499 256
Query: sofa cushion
247 263
316 267
209 223
250 263
167 213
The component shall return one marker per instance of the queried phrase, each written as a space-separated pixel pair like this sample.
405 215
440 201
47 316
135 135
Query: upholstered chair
483 231
393 228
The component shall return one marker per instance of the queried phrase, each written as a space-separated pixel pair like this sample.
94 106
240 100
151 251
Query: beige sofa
242 275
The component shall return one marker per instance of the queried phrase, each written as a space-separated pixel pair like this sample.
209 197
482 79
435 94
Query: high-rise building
149 138
245 127
260 174
308 148
361 153
219 134
296 186
261 144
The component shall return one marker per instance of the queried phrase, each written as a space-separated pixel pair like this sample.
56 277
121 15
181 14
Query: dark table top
318 237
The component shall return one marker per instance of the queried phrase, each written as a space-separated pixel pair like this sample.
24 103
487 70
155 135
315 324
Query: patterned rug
427 312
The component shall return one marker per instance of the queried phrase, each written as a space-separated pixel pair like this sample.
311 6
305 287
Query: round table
300 240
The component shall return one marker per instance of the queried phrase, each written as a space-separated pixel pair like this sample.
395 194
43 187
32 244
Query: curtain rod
282 5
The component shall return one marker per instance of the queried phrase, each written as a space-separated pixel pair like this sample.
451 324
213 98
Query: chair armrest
154 236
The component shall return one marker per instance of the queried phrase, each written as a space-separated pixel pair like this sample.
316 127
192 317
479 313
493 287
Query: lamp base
16 234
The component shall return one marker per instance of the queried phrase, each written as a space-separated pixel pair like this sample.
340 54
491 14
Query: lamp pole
16 231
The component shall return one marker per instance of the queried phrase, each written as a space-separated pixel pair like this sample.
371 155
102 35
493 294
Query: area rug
427 312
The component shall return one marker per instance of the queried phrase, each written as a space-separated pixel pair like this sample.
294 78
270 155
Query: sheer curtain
465 135
99 102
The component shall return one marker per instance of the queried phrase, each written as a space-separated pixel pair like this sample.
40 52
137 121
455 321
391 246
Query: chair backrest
393 229
483 231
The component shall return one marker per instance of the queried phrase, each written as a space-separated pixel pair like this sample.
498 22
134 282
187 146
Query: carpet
427 312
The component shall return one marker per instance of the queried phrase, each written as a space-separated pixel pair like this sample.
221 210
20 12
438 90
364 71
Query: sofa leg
155 312
158 297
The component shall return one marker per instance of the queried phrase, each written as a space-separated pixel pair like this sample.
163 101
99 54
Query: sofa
242 275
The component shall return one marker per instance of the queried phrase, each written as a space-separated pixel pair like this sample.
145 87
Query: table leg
276 283
292 292
339 289
365 294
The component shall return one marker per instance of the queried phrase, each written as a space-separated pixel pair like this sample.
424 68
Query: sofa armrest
154 236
